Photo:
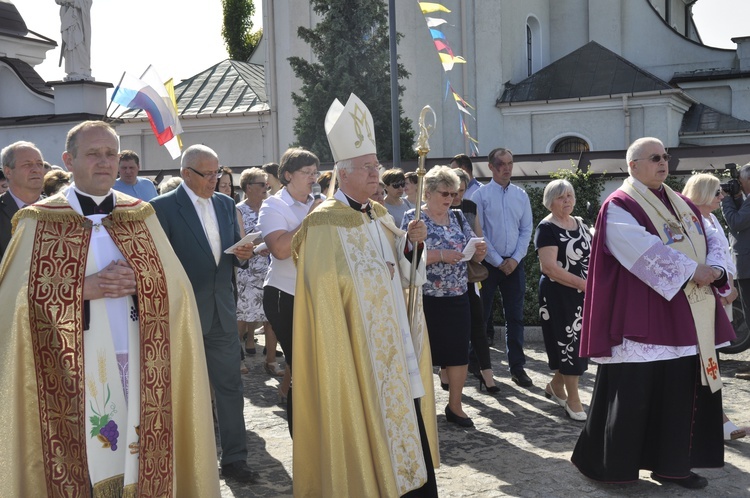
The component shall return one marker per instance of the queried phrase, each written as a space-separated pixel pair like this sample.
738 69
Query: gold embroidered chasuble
355 429
42 360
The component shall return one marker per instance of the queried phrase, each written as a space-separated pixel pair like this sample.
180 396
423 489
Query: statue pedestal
75 97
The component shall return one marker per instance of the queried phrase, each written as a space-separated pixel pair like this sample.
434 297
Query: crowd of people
135 309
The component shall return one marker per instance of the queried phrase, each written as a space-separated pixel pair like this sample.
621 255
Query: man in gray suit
201 224
23 167
736 211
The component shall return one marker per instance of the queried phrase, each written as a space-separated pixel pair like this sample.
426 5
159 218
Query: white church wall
50 139
491 36
16 99
239 141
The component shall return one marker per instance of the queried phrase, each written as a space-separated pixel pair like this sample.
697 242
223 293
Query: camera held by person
733 186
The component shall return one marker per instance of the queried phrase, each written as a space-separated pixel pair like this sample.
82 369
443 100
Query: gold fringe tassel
111 487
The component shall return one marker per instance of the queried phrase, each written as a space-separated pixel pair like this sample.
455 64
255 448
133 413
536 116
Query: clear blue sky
180 39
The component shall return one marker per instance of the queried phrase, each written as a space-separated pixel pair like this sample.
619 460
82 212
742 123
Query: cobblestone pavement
521 444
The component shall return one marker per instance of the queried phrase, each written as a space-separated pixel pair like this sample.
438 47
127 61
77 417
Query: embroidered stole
683 234
70 363
383 308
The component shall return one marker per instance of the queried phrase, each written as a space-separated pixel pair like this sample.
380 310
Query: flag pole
112 98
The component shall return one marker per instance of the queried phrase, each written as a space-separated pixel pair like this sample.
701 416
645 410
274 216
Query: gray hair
8 154
745 172
463 176
170 185
250 175
701 188
440 175
194 153
555 189
636 147
345 164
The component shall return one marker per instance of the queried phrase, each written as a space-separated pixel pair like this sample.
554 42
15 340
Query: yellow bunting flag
429 7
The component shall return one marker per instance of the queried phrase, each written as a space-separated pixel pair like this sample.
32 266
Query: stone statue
75 28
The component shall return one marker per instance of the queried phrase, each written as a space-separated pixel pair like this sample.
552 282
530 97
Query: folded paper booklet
251 238
471 247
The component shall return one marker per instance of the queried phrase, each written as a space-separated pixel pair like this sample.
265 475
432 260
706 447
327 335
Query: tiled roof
229 87
11 21
28 76
703 119
589 71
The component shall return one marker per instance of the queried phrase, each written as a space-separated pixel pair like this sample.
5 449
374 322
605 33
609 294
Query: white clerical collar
640 186
98 199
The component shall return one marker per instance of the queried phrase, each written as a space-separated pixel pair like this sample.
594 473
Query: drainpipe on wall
464 69
269 29
626 111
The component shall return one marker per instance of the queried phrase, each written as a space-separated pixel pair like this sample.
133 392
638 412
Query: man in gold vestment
364 416
102 371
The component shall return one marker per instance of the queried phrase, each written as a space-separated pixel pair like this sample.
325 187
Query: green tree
588 188
237 29
350 45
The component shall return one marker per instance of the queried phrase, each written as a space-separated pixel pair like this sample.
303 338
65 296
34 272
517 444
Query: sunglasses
400 184
446 194
656 158
718 193
264 184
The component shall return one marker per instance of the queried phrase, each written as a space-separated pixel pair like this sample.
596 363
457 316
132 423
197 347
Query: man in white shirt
201 224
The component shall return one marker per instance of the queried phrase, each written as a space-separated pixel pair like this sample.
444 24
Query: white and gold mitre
350 130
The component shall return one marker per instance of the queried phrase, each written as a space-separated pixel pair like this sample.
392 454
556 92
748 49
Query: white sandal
732 432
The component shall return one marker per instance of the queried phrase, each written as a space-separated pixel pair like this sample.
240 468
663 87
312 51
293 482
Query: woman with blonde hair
705 192
445 294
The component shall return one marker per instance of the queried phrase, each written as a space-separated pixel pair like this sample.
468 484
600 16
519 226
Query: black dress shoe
521 379
456 419
239 471
693 481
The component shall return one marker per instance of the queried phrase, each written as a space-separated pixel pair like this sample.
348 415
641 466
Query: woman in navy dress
563 244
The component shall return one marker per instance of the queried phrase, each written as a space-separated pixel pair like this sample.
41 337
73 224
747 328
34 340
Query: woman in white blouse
705 192
279 219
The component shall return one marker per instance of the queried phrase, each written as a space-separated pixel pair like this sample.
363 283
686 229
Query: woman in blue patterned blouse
446 299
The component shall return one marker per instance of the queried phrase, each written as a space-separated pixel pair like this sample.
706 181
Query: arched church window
571 144
529 50
533 45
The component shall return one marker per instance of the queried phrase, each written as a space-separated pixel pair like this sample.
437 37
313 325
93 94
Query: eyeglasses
400 184
656 158
371 168
446 194
260 183
313 174
718 193
214 175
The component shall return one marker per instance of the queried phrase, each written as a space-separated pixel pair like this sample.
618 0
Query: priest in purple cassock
652 322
